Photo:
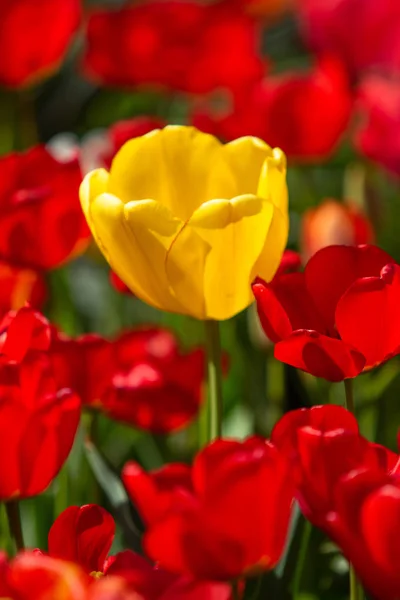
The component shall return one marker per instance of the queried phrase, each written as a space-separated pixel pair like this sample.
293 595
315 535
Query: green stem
213 348
356 591
348 387
301 558
14 523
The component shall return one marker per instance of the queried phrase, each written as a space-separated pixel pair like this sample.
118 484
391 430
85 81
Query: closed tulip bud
187 223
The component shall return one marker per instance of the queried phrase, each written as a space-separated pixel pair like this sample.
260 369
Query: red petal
83 535
368 316
323 419
284 305
332 270
320 355
154 492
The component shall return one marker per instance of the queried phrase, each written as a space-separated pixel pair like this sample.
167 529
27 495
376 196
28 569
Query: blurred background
318 78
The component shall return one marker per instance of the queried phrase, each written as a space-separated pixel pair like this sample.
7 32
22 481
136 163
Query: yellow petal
173 166
184 268
274 246
132 237
272 182
234 231
94 184
246 157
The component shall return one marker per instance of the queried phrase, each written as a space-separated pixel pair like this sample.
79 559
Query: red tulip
377 133
305 114
324 444
34 576
85 364
235 520
141 378
337 318
330 26
82 535
366 527
154 394
33 53
181 46
41 224
154 493
38 423
332 223
156 584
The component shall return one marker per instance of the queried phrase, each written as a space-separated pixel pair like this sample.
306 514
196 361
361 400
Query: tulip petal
94 184
246 157
272 180
170 165
320 355
135 238
331 271
285 305
380 520
270 257
235 230
367 316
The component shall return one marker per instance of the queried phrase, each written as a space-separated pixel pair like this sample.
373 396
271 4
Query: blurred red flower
85 364
304 114
324 444
177 45
141 378
84 535
38 423
363 34
32 53
154 493
235 520
34 576
21 332
338 317
19 286
159 393
377 132
41 224
333 223
365 524
156 584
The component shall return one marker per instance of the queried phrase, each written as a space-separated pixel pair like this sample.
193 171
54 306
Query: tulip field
199 300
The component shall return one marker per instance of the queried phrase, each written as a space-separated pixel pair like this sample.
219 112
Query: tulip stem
14 523
348 387
213 349
356 591
302 558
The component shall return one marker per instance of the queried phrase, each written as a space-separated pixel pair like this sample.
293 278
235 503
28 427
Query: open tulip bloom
339 317
187 222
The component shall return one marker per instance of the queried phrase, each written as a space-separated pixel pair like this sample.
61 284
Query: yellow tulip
187 222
